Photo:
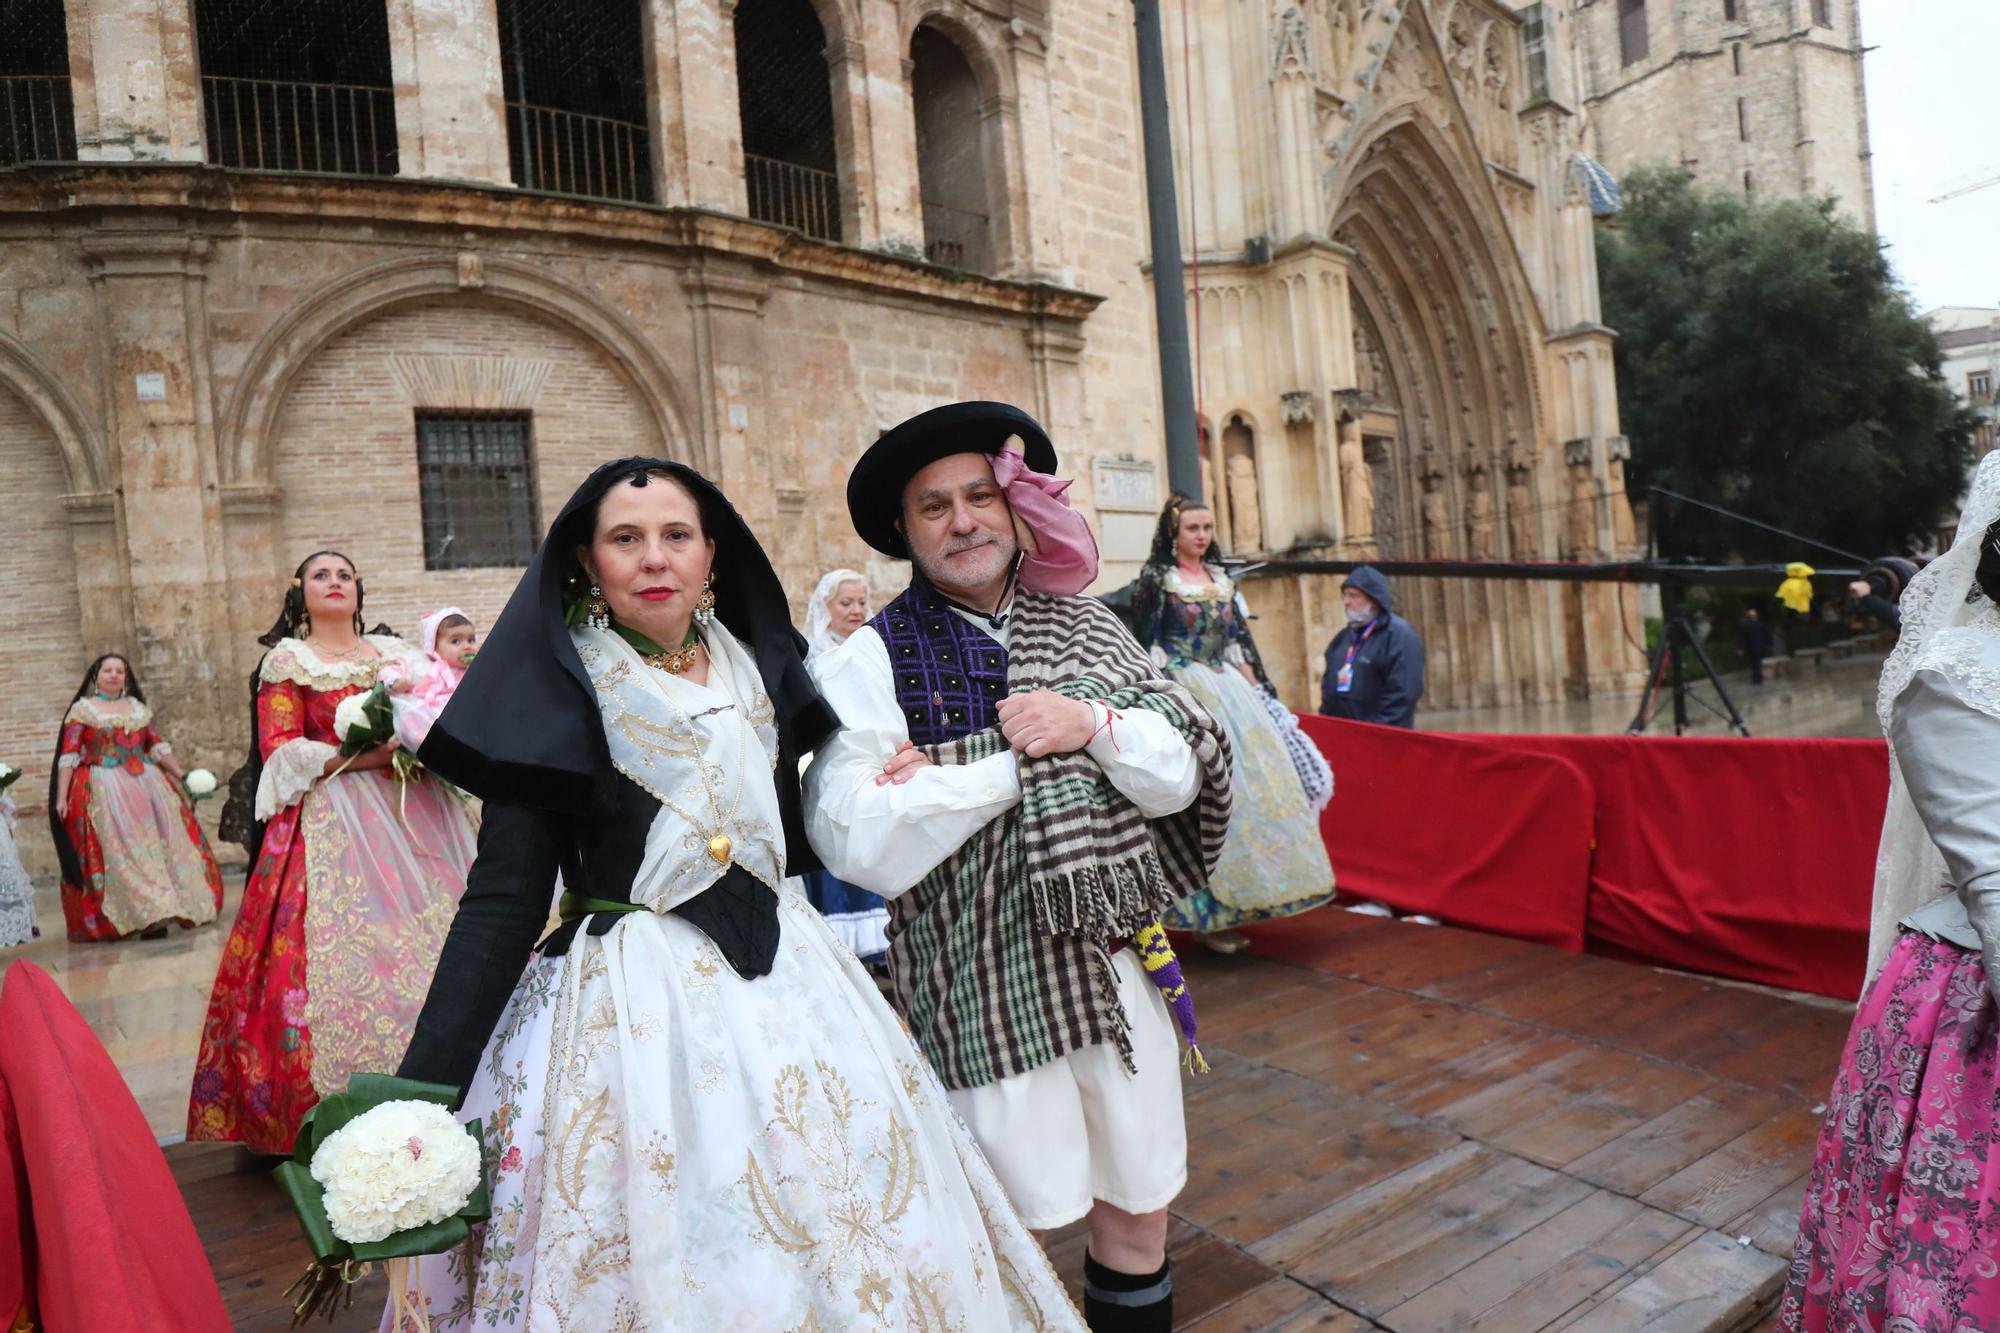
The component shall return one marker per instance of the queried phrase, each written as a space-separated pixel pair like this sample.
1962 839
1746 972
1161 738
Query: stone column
696 125
875 133
727 297
450 102
160 435
1034 180
134 78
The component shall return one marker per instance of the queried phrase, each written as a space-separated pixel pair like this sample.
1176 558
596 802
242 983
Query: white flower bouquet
9 775
200 784
380 1173
364 721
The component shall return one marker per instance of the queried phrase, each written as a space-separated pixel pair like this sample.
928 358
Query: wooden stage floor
1410 1128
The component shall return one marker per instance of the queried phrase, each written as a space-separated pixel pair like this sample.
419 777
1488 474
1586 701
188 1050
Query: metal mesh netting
785 94
298 87
37 122
575 76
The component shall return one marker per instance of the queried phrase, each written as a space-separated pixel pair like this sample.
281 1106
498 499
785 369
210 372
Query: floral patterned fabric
1274 863
340 928
144 858
1898 1230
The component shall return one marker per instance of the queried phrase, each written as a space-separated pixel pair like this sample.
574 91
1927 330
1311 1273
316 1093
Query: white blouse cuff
290 772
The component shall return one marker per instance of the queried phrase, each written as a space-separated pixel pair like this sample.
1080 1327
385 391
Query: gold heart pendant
718 847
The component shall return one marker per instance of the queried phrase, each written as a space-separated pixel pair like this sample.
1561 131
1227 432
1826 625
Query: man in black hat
1019 783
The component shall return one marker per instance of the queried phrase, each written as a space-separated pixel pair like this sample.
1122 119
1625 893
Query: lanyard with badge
1343 680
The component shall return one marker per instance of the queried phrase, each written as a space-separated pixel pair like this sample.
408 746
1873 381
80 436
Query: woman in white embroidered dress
352 884
699 1112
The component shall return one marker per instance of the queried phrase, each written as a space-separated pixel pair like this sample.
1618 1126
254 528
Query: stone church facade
1762 96
1402 350
393 283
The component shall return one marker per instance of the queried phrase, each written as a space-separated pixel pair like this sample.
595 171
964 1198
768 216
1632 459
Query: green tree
1768 362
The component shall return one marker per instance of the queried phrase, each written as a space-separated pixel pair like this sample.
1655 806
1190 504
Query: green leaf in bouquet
310 1201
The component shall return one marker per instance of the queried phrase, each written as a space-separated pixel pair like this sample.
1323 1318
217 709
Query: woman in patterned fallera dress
352 885
1185 610
133 858
1898 1230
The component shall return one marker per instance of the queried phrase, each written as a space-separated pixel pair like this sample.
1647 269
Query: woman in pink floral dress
1899 1230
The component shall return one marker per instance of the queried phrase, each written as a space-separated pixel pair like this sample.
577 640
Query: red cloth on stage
1485 836
1748 858
1744 858
114 1250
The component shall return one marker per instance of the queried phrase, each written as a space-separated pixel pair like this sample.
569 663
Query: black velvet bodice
506 905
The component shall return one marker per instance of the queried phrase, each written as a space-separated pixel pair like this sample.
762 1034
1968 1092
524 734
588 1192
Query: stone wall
1804 117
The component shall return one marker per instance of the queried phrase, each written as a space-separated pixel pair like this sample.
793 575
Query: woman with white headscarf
839 606
1896 1231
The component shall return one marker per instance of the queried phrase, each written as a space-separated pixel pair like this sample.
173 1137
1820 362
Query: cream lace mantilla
705 754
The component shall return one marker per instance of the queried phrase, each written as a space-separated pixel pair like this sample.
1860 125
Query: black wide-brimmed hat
875 489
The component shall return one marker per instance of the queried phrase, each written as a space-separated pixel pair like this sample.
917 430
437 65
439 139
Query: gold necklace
676 661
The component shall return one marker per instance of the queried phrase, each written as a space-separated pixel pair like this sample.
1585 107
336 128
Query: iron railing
570 152
37 121
956 237
277 125
793 196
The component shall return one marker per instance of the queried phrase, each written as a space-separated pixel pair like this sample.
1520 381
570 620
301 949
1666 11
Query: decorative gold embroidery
862 1242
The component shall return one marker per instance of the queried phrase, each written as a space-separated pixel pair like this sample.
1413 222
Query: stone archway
42 621
355 297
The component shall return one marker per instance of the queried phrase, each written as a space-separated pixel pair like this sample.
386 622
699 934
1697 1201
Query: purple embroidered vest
950 675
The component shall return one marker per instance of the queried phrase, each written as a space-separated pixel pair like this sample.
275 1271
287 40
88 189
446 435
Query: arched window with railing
298 87
784 90
952 170
575 76
37 118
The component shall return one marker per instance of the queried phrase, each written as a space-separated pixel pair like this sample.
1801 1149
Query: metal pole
1169 289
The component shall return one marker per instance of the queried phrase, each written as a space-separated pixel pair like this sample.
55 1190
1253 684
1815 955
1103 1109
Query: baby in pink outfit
450 643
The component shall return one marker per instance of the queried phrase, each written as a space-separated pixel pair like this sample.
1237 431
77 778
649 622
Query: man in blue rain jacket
1374 667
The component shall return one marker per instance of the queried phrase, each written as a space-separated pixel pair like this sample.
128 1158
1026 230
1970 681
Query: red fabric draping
115 1250
1485 836
1743 858
1748 858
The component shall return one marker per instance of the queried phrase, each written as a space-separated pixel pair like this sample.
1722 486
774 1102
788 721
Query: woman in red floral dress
353 882
133 857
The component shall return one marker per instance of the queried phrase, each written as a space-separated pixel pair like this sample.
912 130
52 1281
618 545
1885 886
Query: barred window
37 122
298 87
784 93
575 79
475 472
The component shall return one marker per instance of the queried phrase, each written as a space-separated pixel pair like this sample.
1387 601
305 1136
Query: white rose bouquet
364 721
381 1173
200 784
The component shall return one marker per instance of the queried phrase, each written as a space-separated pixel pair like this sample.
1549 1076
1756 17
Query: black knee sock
1116 1302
